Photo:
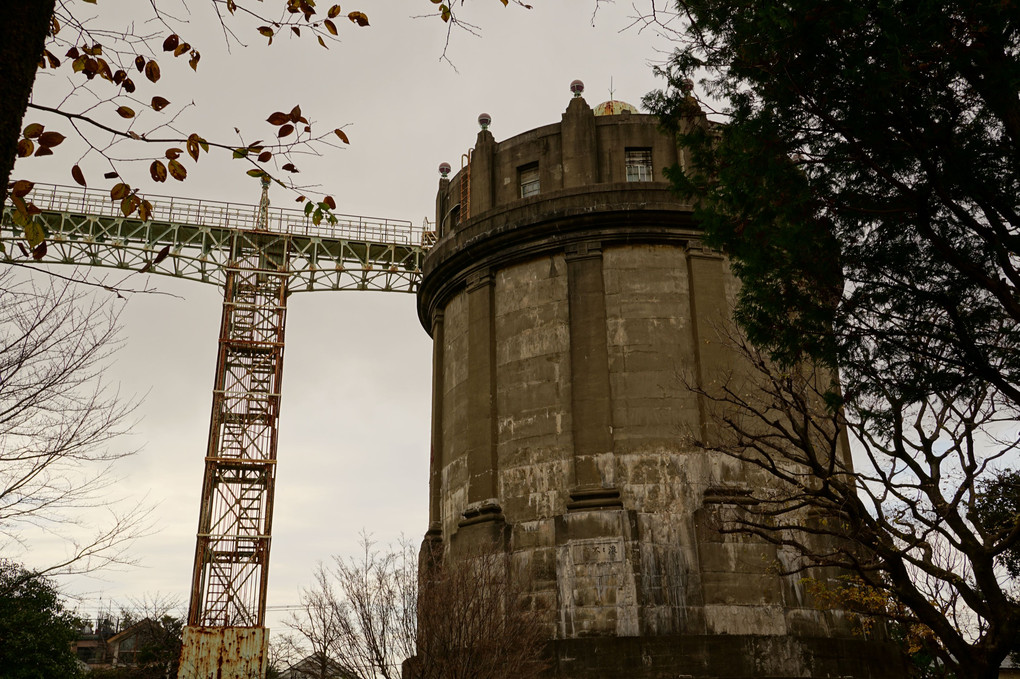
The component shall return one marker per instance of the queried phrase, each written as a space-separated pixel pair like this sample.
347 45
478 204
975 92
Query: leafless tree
58 422
474 622
360 612
900 515
367 615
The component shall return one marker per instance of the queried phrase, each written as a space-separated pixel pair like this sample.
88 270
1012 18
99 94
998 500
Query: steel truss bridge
259 255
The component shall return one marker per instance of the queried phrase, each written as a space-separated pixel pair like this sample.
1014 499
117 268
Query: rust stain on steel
223 652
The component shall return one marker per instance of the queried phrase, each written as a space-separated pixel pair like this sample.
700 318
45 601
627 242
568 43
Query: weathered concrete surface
567 325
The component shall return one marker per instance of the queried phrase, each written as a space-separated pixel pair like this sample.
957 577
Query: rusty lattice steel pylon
235 521
260 255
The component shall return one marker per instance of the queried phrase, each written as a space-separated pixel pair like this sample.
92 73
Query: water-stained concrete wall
568 326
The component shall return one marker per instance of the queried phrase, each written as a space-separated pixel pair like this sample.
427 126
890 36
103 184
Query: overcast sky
354 430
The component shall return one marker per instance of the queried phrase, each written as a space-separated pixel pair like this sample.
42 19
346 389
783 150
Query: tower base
224 653
724 657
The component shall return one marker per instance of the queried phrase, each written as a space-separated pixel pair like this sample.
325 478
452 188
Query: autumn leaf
278 118
140 63
285 130
333 12
295 115
34 234
177 171
119 191
21 188
163 253
157 171
193 62
20 207
50 139
328 200
152 71
173 153
171 42
145 214
330 26
25 148
181 49
39 251
192 146
268 32
43 151
78 176
110 175
33 130
125 112
343 137
104 70
289 167
255 172
265 156
359 18
159 103
129 204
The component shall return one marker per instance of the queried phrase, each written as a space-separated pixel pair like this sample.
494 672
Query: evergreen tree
36 629
865 181
863 175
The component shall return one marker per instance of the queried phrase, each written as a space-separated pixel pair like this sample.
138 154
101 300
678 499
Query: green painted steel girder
85 228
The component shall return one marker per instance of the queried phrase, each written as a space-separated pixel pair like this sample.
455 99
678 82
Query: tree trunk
23 29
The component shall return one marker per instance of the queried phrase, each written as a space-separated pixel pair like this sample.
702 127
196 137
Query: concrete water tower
567 291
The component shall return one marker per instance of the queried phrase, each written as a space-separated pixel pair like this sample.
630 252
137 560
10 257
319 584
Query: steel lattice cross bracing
85 228
259 255
235 521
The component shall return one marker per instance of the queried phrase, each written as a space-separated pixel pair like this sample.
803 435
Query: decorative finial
611 88
444 170
484 120
577 87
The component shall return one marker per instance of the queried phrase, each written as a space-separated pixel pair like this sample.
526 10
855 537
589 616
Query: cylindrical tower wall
571 302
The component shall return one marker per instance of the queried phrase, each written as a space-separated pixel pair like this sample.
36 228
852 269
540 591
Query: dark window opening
639 165
529 180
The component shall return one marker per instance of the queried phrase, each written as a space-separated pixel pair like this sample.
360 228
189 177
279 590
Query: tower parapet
566 295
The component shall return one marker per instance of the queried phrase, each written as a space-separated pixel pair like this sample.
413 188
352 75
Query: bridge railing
212 213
